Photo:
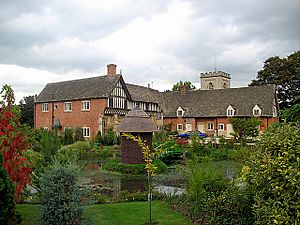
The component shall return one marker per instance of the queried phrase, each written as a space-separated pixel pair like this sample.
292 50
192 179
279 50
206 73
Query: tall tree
179 84
13 141
27 110
285 74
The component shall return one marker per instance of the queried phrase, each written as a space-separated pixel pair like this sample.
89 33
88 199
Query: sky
151 41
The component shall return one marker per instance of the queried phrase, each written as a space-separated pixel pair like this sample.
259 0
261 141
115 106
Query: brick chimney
184 89
111 70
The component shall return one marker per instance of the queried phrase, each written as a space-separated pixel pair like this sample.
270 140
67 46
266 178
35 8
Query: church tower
215 80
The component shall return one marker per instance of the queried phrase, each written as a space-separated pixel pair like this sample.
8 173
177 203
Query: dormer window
230 111
180 112
256 110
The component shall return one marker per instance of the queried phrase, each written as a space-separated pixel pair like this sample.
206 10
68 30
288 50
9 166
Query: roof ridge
80 79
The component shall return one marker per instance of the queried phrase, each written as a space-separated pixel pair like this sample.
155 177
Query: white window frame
230 111
210 126
181 112
68 109
86 132
84 105
256 110
221 126
180 125
67 128
45 107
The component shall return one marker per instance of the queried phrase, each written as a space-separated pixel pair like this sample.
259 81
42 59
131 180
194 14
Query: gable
89 88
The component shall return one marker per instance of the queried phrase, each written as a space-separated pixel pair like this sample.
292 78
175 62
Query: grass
135 213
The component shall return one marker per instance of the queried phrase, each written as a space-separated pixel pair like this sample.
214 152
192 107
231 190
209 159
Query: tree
245 128
178 85
149 156
285 74
8 214
13 141
292 114
61 195
27 110
274 172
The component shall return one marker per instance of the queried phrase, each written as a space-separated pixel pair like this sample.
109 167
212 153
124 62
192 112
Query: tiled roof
211 103
137 120
144 94
95 87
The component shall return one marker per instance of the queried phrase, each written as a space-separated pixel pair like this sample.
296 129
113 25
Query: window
68 106
85 105
188 127
45 107
179 126
220 126
230 111
67 128
256 110
210 126
180 111
86 131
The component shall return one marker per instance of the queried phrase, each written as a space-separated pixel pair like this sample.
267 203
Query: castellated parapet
215 80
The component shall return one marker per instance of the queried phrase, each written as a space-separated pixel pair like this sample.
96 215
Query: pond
170 183
111 183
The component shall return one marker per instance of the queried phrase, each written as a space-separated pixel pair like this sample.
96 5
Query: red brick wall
215 121
75 118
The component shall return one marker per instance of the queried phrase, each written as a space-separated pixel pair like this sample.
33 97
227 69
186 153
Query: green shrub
213 199
8 214
109 138
161 166
125 196
78 135
160 137
275 173
67 138
133 168
61 196
100 198
239 153
112 165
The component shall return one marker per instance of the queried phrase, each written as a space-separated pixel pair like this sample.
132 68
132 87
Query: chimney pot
111 70
184 89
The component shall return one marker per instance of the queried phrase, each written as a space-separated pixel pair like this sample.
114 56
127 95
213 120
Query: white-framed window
45 107
179 127
85 105
256 110
188 127
68 106
210 126
67 128
45 128
230 111
180 111
221 126
86 131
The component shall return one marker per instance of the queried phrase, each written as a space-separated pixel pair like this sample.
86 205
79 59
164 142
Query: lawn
135 213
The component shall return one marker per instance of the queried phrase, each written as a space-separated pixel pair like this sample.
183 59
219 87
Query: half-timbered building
97 103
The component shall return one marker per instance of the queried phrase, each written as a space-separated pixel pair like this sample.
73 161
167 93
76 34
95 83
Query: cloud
159 42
